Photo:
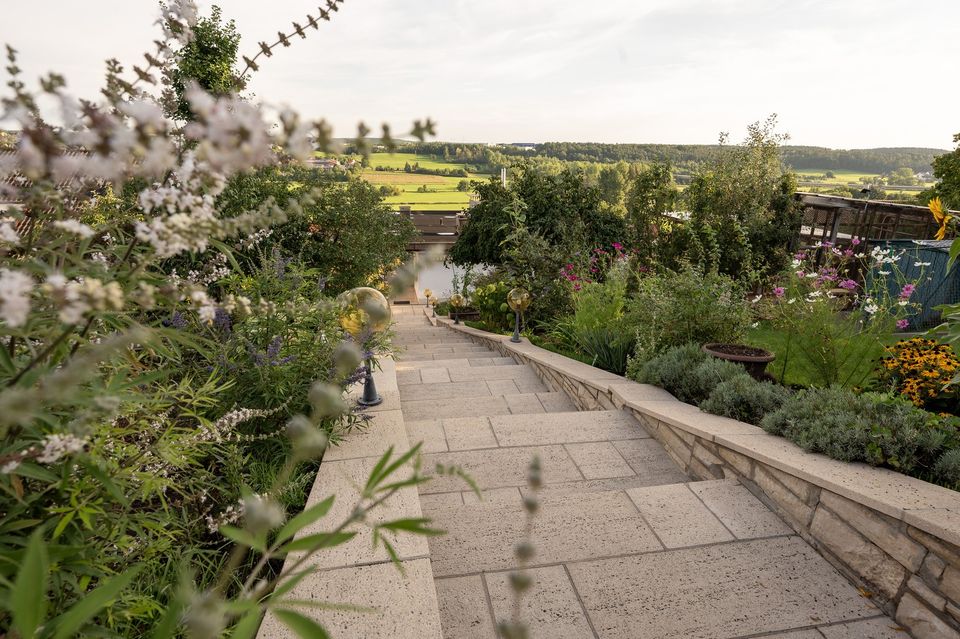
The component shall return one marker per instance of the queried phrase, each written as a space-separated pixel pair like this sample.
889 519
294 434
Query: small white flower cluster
57 446
215 269
74 226
231 133
15 288
255 239
882 256
75 298
218 431
8 231
231 515
206 307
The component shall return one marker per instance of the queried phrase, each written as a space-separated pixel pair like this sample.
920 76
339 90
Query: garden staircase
626 546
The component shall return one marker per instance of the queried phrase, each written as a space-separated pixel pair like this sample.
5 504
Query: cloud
840 72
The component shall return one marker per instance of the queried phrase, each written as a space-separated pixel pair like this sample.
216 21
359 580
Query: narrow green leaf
80 613
320 540
247 627
166 628
28 600
954 252
375 473
415 525
242 537
305 627
6 364
289 583
400 461
304 519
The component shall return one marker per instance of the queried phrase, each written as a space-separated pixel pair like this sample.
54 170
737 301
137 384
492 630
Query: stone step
446 352
528 382
431 374
435 340
522 403
411 365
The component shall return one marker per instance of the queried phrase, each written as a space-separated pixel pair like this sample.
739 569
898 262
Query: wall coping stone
928 507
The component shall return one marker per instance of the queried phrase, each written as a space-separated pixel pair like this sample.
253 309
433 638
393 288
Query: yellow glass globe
457 300
362 310
518 299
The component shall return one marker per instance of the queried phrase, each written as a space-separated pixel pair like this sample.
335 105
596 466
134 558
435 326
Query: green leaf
400 461
304 519
247 627
320 540
28 600
6 364
167 626
80 613
242 537
954 252
305 627
289 583
375 473
414 525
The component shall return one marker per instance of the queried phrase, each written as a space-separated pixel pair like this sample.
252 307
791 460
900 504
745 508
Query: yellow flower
940 216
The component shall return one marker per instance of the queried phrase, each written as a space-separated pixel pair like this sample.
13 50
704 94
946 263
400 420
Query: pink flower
848 253
617 245
902 324
855 241
577 287
907 291
848 284
779 291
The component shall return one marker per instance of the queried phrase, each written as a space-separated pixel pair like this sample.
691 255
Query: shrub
947 469
871 428
744 398
918 369
674 308
597 327
491 301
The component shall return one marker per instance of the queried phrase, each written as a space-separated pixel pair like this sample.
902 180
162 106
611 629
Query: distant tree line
684 156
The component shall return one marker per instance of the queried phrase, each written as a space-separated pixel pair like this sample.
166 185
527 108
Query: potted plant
753 359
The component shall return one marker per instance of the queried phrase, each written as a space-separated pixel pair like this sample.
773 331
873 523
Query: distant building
524 146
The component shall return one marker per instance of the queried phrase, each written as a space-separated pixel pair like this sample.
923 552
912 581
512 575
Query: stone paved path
627 547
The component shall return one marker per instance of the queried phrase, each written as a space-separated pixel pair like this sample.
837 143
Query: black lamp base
370 395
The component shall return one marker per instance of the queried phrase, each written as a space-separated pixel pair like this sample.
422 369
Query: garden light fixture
457 302
364 313
518 299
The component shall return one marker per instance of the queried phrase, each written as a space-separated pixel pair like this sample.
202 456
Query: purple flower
907 291
779 291
902 324
221 320
848 284
177 320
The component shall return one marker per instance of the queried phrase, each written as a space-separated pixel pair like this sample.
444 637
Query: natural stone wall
896 537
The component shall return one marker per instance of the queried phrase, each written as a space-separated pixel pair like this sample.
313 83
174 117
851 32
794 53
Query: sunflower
941 216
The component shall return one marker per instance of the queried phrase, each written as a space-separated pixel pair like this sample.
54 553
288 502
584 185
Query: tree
651 194
946 169
563 209
612 182
463 186
209 60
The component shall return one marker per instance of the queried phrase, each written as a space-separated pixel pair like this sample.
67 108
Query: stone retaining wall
896 537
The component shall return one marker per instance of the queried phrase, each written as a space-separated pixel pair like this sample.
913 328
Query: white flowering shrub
162 407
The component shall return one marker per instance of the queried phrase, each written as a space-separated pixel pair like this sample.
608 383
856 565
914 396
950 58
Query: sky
839 73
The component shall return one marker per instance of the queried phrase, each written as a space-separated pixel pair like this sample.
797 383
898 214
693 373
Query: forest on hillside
880 160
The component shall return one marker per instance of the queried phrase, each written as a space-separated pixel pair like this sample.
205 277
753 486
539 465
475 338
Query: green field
442 193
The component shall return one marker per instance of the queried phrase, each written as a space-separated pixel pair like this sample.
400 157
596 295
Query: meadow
441 194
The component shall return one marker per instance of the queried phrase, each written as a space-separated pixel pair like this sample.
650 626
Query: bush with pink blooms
831 320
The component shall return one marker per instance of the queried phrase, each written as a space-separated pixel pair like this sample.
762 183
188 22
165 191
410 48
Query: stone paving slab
742 513
647 457
493 359
727 590
563 428
342 478
464 613
522 403
551 608
678 517
878 628
460 353
385 430
480 537
599 460
501 467
405 603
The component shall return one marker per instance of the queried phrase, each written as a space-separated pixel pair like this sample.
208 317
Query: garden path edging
894 535
405 603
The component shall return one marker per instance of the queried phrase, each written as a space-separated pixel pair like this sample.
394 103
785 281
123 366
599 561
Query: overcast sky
840 73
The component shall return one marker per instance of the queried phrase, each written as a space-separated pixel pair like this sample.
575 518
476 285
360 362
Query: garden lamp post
428 293
433 306
364 312
456 301
518 299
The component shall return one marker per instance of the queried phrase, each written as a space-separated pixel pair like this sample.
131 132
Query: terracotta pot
753 359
